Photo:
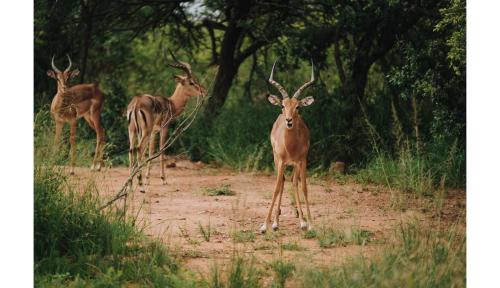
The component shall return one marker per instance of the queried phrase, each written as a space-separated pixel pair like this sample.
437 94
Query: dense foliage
391 75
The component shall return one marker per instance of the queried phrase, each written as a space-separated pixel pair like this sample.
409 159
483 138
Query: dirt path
175 212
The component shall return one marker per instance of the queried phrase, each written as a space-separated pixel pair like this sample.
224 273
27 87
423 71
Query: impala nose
289 122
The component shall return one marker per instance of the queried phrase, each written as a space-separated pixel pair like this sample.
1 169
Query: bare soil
175 212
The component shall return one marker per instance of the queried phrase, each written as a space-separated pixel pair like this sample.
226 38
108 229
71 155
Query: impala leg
295 186
152 139
279 184
99 150
303 224
163 137
91 124
131 150
57 135
303 172
72 142
278 210
140 154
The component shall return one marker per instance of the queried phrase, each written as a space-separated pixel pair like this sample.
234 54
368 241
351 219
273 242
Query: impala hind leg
152 139
57 136
279 184
91 124
99 150
72 142
131 151
163 137
303 172
140 154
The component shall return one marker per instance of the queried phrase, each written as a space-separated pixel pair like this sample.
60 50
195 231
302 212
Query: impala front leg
278 210
279 184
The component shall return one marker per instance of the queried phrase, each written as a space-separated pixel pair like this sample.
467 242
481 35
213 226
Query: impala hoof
142 190
163 180
303 225
263 228
275 226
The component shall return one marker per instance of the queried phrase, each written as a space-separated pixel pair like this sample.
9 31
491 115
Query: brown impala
147 115
72 103
290 141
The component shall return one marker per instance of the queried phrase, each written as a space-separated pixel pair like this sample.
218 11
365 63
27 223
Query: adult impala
147 115
290 142
72 103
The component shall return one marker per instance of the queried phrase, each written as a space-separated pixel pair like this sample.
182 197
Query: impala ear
74 73
179 79
273 99
51 74
306 101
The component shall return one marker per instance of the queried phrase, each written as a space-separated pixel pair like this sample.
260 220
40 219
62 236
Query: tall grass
420 257
77 243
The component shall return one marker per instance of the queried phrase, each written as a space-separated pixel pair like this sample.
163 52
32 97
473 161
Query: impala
72 103
147 115
290 142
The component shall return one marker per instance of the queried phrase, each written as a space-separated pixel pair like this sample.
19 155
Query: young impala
290 142
147 115
71 103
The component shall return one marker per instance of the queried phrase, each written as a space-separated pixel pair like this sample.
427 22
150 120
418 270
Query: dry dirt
175 212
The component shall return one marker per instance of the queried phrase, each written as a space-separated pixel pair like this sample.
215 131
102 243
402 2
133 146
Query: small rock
171 165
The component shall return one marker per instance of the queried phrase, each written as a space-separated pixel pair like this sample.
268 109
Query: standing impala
72 103
290 141
149 114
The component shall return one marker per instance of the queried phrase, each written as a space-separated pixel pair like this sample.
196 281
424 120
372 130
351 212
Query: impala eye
282 107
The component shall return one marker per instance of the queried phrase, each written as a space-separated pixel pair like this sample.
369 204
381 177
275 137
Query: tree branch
250 50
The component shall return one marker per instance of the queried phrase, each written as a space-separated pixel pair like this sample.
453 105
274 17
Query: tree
245 27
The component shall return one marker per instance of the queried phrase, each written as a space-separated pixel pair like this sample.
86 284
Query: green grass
206 232
224 190
241 274
330 237
420 257
292 246
438 167
243 236
78 244
282 270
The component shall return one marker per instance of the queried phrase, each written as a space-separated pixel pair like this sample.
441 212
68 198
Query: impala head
290 106
63 77
189 83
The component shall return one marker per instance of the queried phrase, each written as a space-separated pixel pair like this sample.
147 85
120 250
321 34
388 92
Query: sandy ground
175 212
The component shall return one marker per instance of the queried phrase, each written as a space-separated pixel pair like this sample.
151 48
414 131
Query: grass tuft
224 190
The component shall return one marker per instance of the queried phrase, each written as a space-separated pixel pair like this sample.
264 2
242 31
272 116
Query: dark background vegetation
390 99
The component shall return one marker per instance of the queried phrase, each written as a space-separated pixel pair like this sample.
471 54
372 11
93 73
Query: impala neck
291 137
179 99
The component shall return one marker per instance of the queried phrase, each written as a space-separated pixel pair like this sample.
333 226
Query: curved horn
70 63
307 84
181 65
54 66
276 84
